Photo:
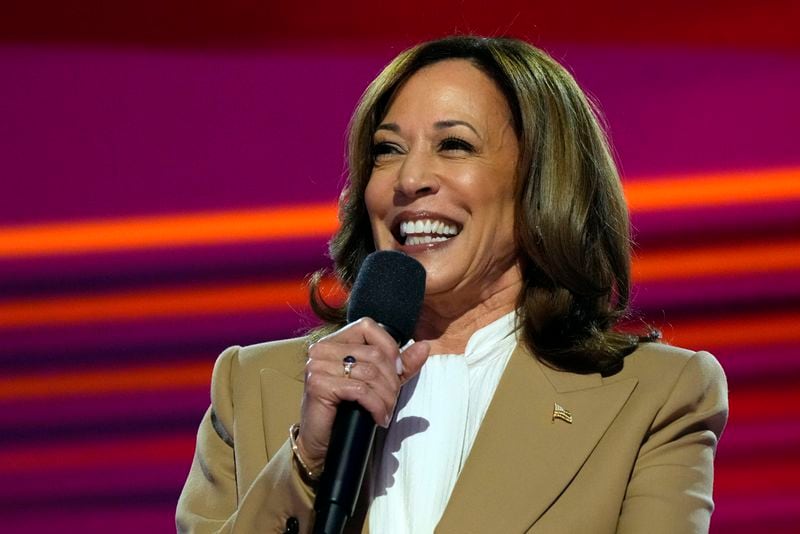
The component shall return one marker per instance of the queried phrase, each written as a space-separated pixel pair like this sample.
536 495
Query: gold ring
349 362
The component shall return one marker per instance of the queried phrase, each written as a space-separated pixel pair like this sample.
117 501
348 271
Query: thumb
413 358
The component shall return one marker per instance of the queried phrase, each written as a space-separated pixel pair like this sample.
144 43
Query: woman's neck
448 325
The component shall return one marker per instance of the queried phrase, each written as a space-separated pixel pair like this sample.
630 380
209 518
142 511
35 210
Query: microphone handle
345 464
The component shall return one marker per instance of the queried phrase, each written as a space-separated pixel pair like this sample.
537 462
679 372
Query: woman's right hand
374 381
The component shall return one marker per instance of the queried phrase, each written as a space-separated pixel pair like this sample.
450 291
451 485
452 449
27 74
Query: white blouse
436 419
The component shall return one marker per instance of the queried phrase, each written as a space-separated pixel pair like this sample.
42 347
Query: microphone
389 288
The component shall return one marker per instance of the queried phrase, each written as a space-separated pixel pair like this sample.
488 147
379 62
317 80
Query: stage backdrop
170 174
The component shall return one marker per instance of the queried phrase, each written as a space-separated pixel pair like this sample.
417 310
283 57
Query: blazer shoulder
237 369
664 370
287 356
661 361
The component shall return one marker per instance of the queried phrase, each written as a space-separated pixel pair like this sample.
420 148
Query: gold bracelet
294 430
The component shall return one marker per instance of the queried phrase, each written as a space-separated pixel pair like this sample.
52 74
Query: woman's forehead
449 90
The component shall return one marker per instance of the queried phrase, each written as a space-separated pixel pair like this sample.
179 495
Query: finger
386 387
333 390
335 352
413 358
364 331
322 395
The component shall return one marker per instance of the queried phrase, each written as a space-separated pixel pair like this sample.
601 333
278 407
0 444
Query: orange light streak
761 330
176 230
751 329
320 220
165 449
151 303
266 296
768 402
98 381
716 260
157 303
713 189
757 477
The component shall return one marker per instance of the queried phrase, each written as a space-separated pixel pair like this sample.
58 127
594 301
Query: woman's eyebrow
440 125
391 126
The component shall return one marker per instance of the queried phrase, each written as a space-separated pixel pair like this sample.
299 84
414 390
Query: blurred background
170 171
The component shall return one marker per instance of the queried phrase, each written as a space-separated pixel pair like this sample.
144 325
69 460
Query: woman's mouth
425 231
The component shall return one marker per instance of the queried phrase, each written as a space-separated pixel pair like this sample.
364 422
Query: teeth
423 239
428 227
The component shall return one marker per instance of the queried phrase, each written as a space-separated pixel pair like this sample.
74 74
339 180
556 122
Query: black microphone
389 289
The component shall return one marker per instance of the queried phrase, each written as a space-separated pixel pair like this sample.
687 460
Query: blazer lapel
523 458
280 401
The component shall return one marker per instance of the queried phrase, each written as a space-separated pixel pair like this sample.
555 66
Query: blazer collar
523 458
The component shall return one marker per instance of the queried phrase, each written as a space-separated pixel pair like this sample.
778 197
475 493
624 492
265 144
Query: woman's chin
444 284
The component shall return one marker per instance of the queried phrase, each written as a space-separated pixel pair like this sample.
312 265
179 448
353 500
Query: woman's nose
416 177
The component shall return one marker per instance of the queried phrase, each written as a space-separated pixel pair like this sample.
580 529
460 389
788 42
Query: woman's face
442 185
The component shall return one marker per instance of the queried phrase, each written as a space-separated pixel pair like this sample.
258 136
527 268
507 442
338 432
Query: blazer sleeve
670 489
212 502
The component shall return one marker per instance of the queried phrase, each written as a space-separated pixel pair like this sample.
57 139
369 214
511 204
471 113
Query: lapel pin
559 412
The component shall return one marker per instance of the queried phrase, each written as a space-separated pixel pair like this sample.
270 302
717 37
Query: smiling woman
521 407
503 118
445 160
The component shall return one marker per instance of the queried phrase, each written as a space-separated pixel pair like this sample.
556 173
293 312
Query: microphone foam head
389 288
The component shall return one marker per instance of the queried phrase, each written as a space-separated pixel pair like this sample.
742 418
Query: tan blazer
637 456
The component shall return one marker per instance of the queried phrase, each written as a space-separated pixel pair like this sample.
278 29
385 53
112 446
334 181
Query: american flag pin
559 412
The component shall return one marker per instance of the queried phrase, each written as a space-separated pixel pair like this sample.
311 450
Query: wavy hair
572 226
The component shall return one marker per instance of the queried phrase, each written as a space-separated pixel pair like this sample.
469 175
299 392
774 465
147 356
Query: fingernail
388 420
398 365
408 344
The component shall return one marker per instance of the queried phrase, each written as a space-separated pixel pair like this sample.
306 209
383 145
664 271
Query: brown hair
572 221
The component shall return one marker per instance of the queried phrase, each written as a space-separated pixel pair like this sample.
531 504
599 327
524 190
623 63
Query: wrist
309 470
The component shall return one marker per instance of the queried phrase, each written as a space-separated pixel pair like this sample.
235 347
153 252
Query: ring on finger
348 362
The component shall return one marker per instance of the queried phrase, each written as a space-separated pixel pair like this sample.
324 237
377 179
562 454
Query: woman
520 407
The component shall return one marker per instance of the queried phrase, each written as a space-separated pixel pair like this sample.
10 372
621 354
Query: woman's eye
384 149
455 143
